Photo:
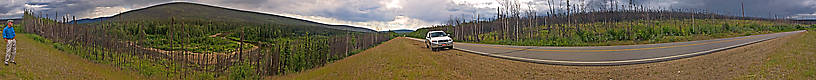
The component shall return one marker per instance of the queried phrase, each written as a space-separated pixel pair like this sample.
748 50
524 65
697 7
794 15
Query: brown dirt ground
402 58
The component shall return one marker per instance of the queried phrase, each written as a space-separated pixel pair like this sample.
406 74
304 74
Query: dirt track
402 58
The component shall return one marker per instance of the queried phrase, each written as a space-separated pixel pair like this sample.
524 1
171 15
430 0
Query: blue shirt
8 32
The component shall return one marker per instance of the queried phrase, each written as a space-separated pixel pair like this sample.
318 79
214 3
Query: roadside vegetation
629 32
791 60
615 24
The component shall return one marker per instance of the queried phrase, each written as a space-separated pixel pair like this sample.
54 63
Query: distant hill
401 31
804 19
80 21
15 20
194 12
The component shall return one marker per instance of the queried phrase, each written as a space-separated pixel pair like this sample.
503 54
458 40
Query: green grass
792 60
243 72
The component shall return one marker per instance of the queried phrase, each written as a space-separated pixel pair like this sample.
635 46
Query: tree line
516 21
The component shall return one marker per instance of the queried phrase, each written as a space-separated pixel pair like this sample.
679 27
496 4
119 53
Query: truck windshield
438 34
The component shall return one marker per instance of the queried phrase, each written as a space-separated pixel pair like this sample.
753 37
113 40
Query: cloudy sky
399 14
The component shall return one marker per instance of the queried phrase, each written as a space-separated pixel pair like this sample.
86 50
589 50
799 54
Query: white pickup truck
438 39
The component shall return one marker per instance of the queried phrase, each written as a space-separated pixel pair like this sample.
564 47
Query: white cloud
106 11
399 22
478 3
34 6
393 4
804 16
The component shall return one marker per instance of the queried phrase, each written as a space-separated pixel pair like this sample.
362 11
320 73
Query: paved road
614 55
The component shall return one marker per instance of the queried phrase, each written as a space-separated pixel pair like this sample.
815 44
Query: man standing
11 47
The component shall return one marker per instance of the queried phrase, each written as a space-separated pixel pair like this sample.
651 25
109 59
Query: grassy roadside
793 60
39 61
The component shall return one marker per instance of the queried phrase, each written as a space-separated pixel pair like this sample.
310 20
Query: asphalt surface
613 55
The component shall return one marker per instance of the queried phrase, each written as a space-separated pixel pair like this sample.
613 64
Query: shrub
243 72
